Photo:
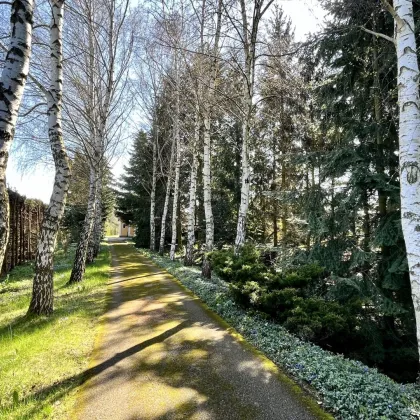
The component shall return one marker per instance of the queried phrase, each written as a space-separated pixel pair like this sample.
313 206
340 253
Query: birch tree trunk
42 292
166 204
95 237
153 192
409 140
176 180
189 254
79 265
249 40
12 85
207 110
208 211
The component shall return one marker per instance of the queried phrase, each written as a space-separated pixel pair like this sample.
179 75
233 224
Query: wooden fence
25 222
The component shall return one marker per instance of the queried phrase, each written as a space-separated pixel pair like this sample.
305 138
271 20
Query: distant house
126 230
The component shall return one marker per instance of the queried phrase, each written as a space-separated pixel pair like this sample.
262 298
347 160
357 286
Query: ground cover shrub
348 388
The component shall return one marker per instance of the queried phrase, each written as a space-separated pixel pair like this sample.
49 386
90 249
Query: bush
320 321
243 268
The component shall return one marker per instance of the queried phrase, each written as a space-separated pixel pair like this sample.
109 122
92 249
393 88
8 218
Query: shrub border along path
347 388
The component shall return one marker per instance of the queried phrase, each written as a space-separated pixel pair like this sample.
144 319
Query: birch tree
12 85
167 197
409 141
177 140
208 104
189 252
248 32
42 292
409 138
99 102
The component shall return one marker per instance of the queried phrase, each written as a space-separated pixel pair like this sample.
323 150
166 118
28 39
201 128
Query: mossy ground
42 358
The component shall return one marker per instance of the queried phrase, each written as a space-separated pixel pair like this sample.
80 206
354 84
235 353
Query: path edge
302 393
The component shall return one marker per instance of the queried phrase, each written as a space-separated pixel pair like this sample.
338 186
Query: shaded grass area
38 354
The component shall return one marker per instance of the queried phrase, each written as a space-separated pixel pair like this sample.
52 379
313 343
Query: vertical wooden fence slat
25 222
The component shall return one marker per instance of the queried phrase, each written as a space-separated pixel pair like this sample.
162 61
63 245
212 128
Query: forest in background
325 253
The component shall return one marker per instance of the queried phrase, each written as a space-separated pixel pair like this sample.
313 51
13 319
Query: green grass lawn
42 359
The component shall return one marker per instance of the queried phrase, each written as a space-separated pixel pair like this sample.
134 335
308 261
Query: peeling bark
409 140
189 254
42 292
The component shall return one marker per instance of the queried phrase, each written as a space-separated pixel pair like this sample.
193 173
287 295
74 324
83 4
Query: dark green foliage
285 296
76 204
334 312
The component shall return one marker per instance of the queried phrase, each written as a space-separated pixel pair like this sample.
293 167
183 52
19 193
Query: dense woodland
288 169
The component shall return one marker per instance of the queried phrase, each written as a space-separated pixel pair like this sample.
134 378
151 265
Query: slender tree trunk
208 106
79 265
95 237
245 183
153 191
177 160
249 44
99 227
42 292
176 182
189 254
12 85
208 211
409 140
167 197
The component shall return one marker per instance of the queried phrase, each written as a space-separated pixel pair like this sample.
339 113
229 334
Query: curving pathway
162 355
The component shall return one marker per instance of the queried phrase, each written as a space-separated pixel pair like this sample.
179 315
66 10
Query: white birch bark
245 184
247 92
167 196
207 111
95 237
409 140
153 191
42 293
208 211
12 85
177 164
189 254
79 265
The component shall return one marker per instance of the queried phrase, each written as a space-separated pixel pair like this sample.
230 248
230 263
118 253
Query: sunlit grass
41 358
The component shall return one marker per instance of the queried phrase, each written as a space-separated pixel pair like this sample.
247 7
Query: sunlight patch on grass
41 358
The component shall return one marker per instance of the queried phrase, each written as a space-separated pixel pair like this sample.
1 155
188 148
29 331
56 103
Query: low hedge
347 388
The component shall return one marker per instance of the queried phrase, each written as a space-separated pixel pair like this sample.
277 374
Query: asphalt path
161 354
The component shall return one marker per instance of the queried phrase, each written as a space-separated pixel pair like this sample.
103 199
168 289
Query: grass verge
42 358
347 388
